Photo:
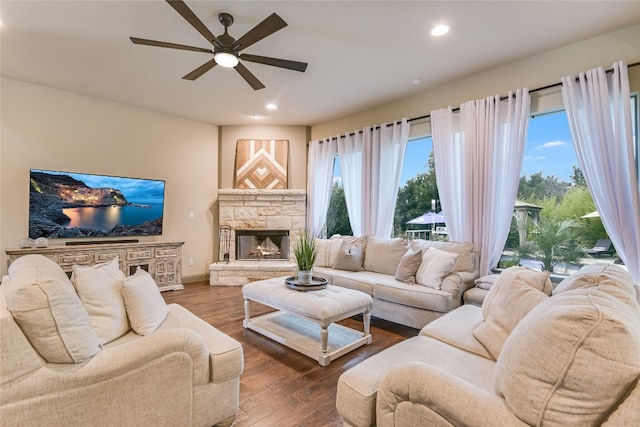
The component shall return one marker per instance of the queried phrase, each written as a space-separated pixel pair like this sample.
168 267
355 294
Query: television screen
66 205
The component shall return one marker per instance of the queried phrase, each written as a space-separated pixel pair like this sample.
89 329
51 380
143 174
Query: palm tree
555 241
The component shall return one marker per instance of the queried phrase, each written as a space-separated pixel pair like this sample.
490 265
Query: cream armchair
184 373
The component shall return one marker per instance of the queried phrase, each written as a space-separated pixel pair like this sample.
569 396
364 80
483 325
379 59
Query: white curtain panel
350 154
599 113
383 154
319 182
478 155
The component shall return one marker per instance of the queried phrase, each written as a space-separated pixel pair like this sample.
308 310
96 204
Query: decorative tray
316 284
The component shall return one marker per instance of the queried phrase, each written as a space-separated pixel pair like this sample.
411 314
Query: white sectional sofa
107 353
404 291
529 356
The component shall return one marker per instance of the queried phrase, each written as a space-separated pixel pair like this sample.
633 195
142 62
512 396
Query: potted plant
305 253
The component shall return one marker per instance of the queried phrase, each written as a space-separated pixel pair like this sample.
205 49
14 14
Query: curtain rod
538 89
428 116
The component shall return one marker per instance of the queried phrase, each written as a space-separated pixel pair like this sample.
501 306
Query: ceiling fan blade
270 25
148 42
182 8
249 77
200 70
276 62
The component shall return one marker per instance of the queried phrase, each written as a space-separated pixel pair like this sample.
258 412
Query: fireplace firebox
254 245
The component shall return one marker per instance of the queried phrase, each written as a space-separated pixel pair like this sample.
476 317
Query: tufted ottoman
305 321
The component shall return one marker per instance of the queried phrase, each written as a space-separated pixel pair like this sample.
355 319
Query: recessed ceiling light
416 81
439 30
257 115
271 106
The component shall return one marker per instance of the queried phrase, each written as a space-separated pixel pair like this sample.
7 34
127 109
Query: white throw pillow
100 290
436 264
326 251
47 309
145 306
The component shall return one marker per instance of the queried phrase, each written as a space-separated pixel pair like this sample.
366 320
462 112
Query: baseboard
202 277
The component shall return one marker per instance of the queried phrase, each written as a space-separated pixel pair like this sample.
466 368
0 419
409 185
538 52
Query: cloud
552 144
533 158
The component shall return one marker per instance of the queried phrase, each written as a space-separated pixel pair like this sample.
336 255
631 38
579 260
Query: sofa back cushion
100 290
573 358
45 305
465 262
383 255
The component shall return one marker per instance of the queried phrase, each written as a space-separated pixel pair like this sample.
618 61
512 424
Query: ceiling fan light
225 59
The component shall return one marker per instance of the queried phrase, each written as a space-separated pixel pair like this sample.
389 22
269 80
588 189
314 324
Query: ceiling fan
226 49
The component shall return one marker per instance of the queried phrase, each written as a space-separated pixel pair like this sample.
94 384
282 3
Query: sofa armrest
118 361
437 397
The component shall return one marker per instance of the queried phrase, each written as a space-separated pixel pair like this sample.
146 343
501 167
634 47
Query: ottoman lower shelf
303 335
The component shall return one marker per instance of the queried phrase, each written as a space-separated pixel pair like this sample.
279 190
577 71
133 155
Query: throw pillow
145 306
100 290
571 360
435 265
510 302
326 251
383 255
350 257
408 267
47 309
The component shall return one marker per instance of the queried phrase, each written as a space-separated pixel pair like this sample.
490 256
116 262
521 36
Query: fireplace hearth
252 245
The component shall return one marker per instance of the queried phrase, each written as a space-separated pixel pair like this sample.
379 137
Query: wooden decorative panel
262 163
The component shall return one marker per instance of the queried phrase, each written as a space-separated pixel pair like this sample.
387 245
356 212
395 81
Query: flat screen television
65 205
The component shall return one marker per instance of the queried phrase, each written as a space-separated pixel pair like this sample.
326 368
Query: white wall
50 129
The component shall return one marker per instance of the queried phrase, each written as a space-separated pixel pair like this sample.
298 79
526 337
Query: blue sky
549 149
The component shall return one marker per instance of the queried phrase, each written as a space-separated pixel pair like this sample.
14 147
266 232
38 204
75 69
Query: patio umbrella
427 218
595 214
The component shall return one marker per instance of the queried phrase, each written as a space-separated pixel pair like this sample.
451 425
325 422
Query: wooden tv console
163 260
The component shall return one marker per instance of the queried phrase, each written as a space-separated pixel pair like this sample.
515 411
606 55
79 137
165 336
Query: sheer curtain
478 156
383 152
371 164
350 155
599 113
319 182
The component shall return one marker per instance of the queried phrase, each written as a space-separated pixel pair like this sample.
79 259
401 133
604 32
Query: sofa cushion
571 359
326 251
145 306
423 297
384 255
465 262
45 305
360 281
408 267
435 265
455 328
350 257
100 290
516 292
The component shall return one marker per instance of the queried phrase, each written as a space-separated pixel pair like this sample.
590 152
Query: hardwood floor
279 386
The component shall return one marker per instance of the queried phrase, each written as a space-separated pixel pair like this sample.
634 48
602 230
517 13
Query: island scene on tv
71 205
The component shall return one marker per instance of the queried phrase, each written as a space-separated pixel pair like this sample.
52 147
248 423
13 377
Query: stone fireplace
264 225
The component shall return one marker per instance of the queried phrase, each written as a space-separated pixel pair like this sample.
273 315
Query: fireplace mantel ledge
257 192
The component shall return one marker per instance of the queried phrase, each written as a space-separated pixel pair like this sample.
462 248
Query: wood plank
279 386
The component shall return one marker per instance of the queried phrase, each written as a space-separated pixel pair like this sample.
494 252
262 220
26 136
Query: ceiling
360 53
